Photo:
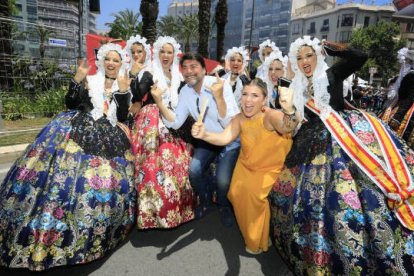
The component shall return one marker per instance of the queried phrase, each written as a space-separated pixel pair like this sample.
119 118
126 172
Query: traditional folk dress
70 198
165 196
333 213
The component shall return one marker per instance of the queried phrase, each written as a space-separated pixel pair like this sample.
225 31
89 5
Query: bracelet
289 114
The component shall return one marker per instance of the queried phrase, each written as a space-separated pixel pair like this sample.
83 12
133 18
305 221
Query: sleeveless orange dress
261 159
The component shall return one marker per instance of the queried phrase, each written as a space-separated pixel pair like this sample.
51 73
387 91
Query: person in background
165 196
70 198
400 118
265 49
275 66
139 70
236 77
261 133
220 108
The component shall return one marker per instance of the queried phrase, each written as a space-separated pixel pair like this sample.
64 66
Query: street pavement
201 247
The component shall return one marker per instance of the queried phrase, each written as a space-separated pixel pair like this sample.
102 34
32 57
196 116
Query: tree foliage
381 42
125 25
184 29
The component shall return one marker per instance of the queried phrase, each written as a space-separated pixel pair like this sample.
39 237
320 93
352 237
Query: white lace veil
171 95
319 78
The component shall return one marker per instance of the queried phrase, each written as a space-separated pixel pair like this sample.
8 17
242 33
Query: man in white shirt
221 108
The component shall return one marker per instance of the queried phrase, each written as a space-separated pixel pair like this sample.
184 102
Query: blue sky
110 6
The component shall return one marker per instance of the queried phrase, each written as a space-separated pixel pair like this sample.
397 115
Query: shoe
253 252
202 210
227 216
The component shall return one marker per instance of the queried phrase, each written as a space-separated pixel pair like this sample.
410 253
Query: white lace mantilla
96 85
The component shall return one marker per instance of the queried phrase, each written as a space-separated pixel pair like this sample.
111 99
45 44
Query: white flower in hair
104 50
143 41
319 78
237 50
263 45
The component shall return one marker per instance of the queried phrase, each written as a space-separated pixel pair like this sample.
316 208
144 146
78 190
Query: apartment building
59 18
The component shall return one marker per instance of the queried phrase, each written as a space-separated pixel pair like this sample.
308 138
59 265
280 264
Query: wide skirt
328 217
165 196
62 206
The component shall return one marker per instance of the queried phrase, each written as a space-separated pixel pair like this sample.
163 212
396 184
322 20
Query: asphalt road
202 247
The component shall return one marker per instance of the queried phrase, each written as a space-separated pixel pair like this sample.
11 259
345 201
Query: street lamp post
80 42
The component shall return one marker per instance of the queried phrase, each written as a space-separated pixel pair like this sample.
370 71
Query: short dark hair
193 56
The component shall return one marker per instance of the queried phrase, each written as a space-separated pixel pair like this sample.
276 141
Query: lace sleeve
76 95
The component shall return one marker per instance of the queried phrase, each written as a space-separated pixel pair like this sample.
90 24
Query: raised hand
157 92
198 130
217 87
286 99
123 82
82 71
136 67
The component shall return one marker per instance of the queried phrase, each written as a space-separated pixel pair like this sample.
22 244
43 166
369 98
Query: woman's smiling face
307 60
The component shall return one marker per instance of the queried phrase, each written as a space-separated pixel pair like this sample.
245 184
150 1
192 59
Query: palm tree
149 11
126 24
221 21
168 26
204 26
6 48
188 30
43 35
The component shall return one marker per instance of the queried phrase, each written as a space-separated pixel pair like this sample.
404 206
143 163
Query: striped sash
392 177
405 121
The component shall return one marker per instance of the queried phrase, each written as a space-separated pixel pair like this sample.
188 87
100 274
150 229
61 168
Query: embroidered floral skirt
62 206
165 196
328 217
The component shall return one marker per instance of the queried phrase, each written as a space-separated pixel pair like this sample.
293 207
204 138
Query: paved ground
202 247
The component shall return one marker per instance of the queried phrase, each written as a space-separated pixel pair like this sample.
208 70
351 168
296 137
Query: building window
325 25
324 37
311 28
409 28
295 29
366 21
347 20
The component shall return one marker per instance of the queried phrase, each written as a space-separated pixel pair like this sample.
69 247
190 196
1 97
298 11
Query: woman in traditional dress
274 67
399 112
343 204
266 48
236 60
70 198
139 70
165 197
261 131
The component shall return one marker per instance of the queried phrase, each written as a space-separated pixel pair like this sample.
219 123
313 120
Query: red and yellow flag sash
392 177
405 121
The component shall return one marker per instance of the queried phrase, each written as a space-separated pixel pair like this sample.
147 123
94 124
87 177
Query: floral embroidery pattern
165 196
61 206
336 221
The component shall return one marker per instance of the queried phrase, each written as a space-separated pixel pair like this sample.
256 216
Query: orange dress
261 159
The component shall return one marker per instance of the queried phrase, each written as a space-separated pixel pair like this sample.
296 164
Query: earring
263 109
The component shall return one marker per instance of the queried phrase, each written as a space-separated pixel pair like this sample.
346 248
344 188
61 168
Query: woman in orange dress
262 131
